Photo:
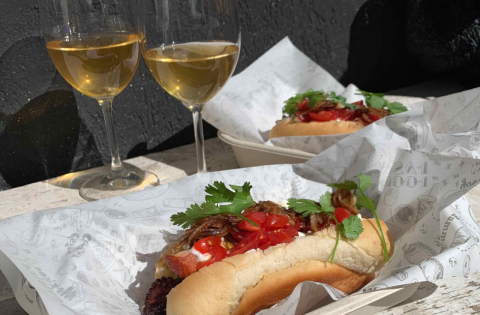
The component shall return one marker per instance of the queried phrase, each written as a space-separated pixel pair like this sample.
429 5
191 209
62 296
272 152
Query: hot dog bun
247 283
287 127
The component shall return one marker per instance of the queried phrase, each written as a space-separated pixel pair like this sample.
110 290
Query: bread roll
247 283
287 127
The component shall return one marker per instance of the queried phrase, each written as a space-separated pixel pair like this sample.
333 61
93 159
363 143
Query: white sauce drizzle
200 256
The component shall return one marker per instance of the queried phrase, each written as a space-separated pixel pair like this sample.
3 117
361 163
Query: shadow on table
77 179
424 290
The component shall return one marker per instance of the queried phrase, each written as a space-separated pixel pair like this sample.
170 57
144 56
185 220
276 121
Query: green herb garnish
349 228
313 98
364 182
232 202
352 227
376 100
373 100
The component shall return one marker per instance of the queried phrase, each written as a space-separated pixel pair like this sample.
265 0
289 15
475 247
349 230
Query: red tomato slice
359 103
218 253
265 246
247 226
237 235
373 117
263 238
324 115
182 264
303 118
249 242
205 244
346 114
274 238
275 221
303 106
257 217
290 231
284 238
341 214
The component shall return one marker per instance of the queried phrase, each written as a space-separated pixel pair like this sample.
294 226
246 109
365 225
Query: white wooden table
453 296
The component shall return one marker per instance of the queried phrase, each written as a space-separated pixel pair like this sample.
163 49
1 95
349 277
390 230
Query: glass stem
117 168
199 141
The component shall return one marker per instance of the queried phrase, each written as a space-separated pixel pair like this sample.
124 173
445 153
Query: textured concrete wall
47 129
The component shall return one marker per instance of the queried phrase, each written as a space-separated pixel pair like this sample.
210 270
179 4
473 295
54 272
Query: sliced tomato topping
359 103
182 264
303 118
341 214
290 231
275 221
324 115
237 235
346 114
303 105
283 237
265 245
249 242
257 217
218 253
263 238
373 117
273 238
205 244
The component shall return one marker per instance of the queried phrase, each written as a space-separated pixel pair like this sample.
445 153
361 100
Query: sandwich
326 113
239 256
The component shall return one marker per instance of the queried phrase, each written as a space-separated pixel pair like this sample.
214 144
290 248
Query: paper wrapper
251 103
98 258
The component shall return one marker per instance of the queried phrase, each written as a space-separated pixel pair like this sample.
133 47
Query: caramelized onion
345 199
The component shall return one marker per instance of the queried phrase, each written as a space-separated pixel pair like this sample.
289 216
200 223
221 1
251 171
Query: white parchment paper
252 101
98 258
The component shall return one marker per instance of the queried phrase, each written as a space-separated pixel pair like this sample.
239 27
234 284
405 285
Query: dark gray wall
47 129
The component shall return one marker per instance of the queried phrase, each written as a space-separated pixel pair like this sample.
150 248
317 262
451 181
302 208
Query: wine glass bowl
97 65
191 47
95 47
192 72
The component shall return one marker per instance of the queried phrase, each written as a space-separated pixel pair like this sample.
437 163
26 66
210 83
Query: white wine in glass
193 72
191 48
99 65
95 47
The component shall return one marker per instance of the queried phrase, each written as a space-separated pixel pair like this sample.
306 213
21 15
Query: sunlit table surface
452 296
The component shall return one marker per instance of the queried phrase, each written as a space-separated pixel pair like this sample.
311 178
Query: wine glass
94 46
191 48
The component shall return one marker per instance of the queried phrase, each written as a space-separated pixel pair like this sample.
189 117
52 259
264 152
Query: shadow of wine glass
77 179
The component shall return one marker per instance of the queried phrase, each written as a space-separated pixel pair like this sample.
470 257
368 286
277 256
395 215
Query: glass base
104 186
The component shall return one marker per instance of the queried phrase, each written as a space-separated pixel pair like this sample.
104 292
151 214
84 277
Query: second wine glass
191 48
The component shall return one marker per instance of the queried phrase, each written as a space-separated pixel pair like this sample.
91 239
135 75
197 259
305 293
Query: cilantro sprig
313 98
373 100
376 100
219 199
349 228
364 182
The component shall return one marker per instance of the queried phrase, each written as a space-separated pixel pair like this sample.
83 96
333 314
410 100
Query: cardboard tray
250 154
